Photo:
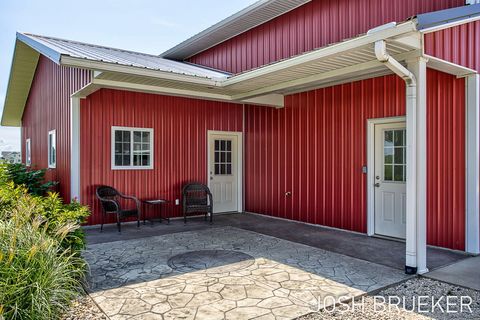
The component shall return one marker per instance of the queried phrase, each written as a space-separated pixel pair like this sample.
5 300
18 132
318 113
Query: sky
149 26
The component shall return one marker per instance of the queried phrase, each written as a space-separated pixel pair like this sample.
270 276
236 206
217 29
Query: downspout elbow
383 56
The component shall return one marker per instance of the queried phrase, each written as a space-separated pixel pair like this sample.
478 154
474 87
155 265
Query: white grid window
395 158
132 148
52 149
28 152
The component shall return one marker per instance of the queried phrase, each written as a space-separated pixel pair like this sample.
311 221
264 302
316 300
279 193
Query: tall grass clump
38 278
41 269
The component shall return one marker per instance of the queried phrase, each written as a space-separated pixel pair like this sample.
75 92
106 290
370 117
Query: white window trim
131 167
28 152
54 133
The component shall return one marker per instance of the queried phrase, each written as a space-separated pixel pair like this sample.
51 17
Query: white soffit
244 20
23 68
448 67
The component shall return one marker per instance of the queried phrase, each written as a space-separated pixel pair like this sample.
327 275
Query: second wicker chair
197 198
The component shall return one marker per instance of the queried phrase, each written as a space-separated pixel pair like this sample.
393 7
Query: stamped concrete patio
221 272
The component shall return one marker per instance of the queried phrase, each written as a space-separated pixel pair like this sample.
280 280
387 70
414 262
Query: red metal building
317 111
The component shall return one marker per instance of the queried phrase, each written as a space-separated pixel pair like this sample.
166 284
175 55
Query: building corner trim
472 153
74 149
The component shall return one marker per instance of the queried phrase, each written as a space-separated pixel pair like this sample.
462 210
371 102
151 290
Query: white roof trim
331 50
448 67
252 16
343 62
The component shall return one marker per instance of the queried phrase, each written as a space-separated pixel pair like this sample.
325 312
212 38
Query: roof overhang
442 19
244 20
339 63
344 62
23 68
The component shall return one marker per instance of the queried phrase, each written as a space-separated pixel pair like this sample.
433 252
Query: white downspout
383 56
412 238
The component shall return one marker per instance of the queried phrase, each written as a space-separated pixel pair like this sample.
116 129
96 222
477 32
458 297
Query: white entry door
223 171
390 178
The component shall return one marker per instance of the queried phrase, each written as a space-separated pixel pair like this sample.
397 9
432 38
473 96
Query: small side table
156 203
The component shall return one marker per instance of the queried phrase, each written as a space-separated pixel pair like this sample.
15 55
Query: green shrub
19 174
38 277
53 210
41 269
15 202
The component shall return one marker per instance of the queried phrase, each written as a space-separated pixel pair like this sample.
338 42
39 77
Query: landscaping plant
20 174
38 278
41 269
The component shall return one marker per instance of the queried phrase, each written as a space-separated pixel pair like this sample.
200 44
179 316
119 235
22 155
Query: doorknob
377 185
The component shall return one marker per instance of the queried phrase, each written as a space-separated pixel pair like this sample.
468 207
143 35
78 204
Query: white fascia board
43 49
22 72
342 47
160 90
276 100
99 66
86 91
271 100
448 67
351 71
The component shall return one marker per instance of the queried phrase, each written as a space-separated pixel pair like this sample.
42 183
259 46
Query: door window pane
394 155
388 174
223 157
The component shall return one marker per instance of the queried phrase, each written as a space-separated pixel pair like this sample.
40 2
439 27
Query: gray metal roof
246 19
442 17
55 48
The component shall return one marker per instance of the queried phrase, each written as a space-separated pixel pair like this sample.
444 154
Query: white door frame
371 123
239 136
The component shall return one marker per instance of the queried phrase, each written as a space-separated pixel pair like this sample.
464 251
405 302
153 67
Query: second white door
223 171
390 178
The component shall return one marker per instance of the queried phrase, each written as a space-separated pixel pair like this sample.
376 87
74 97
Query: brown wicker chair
197 198
109 198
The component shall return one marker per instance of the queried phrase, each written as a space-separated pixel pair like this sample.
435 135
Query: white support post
472 221
416 236
75 148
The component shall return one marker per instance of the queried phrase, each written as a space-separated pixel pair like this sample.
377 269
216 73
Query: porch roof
347 61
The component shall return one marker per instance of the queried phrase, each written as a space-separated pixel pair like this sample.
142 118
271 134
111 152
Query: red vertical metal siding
48 108
180 136
315 148
313 25
459 45
446 160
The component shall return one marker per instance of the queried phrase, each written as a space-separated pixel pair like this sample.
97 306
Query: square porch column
472 218
416 184
74 148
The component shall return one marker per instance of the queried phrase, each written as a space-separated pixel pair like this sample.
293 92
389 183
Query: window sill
132 168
